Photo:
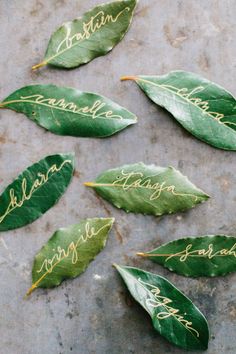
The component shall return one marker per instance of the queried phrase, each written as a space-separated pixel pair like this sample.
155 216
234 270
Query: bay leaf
35 190
90 36
209 256
146 189
173 314
202 107
69 251
67 111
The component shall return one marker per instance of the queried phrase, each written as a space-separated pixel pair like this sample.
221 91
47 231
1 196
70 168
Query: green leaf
69 251
208 256
35 190
66 111
90 36
148 189
173 315
205 109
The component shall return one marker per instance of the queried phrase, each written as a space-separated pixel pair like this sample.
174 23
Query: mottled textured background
94 313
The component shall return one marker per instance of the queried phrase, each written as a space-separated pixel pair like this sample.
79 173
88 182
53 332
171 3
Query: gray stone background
94 313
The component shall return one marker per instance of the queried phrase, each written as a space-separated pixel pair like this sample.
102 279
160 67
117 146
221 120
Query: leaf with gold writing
35 190
208 256
202 107
90 36
148 189
67 111
173 315
69 251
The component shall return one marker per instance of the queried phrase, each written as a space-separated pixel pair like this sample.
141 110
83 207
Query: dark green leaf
90 36
195 257
148 189
205 109
173 315
69 251
35 190
66 111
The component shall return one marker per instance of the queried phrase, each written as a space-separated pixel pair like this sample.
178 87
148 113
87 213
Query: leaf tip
126 78
112 220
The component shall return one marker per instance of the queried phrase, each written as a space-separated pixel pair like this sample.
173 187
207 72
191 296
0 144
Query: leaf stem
89 184
29 292
141 254
125 78
154 254
37 66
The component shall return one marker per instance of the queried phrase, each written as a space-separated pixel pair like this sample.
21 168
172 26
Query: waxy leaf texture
67 111
69 251
207 256
146 189
202 107
35 190
90 36
173 314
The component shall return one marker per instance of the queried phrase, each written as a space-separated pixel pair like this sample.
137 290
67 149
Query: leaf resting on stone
202 107
173 314
35 190
90 36
67 111
208 256
69 251
146 189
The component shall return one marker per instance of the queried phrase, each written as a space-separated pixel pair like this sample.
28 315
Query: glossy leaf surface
67 111
69 251
90 36
147 189
199 256
173 314
35 190
202 107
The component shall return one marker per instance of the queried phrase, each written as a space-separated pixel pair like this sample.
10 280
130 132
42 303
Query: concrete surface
94 313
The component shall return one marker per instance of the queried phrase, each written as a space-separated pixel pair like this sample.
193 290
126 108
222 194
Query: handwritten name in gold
72 249
132 180
96 110
208 252
204 105
94 24
166 310
42 178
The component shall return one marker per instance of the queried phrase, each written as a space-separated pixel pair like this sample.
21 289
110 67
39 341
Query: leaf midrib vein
61 109
185 99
